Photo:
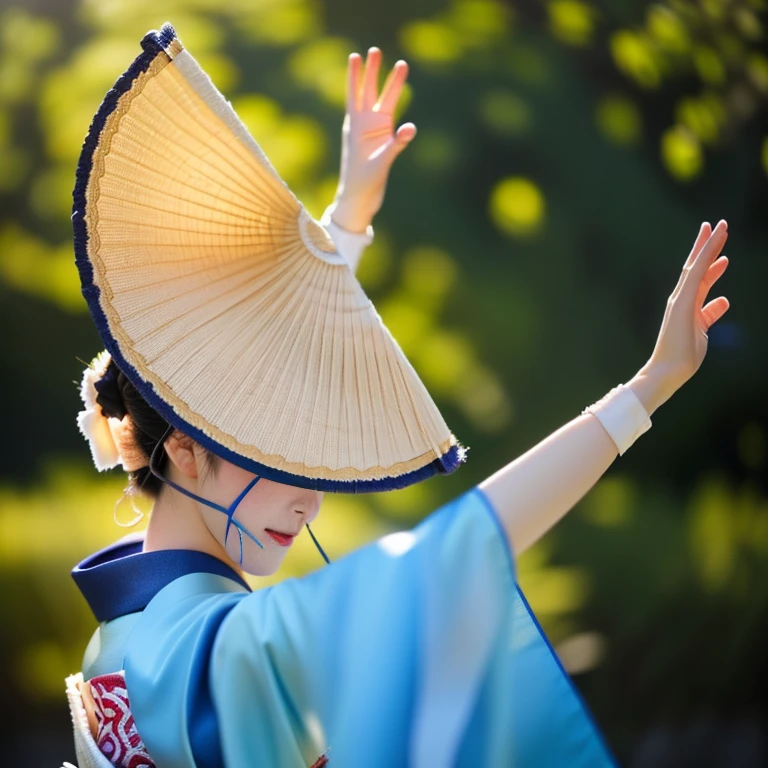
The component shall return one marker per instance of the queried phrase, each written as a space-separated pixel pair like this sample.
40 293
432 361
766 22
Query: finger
397 143
714 311
405 134
392 89
354 66
704 232
709 252
693 275
714 273
371 78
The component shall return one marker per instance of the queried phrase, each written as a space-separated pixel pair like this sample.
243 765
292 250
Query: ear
181 451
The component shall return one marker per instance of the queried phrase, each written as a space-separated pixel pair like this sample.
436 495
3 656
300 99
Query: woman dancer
246 374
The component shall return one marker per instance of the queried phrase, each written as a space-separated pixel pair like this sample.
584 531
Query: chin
256 561
262 566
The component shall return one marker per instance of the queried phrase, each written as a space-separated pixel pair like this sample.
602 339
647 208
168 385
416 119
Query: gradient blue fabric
417 650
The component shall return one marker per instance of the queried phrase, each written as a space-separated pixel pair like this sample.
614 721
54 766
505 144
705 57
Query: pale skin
531 493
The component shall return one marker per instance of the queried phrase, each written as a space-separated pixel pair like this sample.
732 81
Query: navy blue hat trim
155 43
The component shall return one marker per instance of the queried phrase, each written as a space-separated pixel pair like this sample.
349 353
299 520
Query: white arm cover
622 415
349 244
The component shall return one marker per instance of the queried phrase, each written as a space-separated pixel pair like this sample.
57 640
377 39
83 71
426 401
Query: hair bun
109 395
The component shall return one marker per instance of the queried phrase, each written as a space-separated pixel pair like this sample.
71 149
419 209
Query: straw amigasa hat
227 305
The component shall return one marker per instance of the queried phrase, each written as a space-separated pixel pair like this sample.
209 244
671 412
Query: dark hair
117 397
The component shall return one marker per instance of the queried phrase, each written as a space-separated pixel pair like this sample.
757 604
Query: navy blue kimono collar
122 579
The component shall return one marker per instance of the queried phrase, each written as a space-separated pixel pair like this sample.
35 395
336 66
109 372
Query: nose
312 507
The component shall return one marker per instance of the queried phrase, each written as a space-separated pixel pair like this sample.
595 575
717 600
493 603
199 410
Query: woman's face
272 512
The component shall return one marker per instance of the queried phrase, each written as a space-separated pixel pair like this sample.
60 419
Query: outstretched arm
370 145
533 492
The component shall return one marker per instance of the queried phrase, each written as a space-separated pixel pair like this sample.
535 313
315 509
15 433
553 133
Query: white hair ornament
109 438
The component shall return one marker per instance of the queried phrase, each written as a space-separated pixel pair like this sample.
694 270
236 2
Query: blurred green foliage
567 152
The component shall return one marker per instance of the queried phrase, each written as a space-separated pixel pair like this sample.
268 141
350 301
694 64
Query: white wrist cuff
622 415
349 244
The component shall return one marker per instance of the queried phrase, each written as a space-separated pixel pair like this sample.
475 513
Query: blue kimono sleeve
417 650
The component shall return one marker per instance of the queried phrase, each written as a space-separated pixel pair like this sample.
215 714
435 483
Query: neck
176 522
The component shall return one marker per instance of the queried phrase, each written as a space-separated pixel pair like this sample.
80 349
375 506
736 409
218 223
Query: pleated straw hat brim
227 305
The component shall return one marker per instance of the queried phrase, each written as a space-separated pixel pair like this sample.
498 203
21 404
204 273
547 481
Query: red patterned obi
105 699
115 731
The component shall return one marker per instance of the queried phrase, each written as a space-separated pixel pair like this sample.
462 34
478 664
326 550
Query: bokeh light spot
483 400
748 23
619 119
321 66
517 206
757 69
442 358
582 652
635 56
572 21
16 81
287 22
479 22
699 117
711 536
715 9
24 258
429 273
410 503
431 42
505 113
709 65
435 151
557 590
681 153
408 323
528 64
28 37
295 144
609 505
667 29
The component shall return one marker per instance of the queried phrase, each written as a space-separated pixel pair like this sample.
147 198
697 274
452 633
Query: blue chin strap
228 511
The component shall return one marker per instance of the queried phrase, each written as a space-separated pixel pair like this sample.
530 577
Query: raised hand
682 342
527 502
370 143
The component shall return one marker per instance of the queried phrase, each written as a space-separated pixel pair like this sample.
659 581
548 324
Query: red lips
283 539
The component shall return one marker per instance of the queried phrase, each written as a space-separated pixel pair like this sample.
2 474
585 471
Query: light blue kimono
417 650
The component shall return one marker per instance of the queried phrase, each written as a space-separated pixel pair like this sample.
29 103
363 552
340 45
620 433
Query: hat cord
319 548
228 511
